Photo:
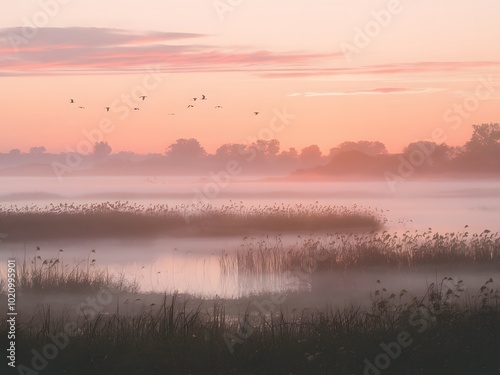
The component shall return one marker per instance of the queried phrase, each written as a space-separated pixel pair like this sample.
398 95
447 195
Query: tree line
188 155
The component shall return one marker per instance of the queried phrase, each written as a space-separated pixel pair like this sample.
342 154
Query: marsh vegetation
198 219
448 330
341 251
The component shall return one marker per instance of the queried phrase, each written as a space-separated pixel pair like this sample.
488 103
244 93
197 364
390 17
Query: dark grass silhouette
447 337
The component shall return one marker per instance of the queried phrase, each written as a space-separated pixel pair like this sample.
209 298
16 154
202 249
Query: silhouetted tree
484 139
371 148
186 149
445 153
290 155
420 152
310 155
15 152
37 150
102 149
266 149
230 151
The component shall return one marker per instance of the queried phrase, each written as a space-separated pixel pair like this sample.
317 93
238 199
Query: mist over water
192 264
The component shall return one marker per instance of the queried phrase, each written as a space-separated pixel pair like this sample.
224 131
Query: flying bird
203 97
81 107
71 101
218 106
190 106
136 109
107 109
171 114
195 99
143 97
256 113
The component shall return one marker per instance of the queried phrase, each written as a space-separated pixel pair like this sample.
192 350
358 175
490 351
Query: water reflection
192 265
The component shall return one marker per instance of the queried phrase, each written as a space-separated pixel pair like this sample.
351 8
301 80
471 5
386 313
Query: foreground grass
348 251
123 219
451 332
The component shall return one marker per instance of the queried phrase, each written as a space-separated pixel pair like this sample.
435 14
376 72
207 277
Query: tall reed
124 219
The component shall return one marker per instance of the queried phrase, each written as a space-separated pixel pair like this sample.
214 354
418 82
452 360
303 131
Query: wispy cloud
375 91
426 67
94 50
51 37
89 50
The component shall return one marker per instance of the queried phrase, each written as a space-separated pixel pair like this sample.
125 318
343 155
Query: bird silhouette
195 99
136 109
107 109
256 113
171 114
71 101
218 106
143 97
81 107
190 106
203 97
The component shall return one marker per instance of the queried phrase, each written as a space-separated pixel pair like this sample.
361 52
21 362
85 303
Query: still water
192 264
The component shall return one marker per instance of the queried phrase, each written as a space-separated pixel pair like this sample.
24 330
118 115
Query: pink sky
423 69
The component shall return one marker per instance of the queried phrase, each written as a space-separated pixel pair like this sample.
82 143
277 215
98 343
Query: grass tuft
38 274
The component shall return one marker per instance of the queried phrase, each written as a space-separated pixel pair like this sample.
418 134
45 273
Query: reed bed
344 251
451 332
52 275
124 219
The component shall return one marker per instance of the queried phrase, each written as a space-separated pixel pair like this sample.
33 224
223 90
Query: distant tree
310 155
230 151
433 153
273 147
186 149
444 153
266 149
421 151
291 154
102 149
37 150
15 152
371 148
485 139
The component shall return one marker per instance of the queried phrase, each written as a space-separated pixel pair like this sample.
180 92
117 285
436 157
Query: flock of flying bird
143 97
